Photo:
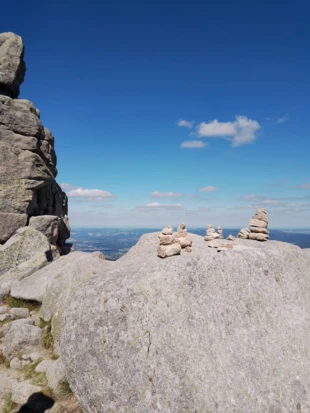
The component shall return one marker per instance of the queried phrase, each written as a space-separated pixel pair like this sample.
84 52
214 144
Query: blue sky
173 111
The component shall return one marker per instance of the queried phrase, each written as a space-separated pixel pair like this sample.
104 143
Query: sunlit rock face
27 156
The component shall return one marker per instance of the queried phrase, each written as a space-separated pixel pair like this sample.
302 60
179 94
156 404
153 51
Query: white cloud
157 194
193 144
306 186
241 131
157 205
283 119
185 123
216 128
67 187
88 193
208 189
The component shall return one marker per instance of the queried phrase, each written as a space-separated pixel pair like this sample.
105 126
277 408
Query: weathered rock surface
23 338
12 65
27 156
54 284
21 391
21 247
200 332
24 253
48 225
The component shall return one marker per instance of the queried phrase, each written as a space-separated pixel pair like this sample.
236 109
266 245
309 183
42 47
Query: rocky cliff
27 157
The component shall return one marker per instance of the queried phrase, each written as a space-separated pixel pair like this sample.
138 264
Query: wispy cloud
89 193
283 119
303 186
242 131
185 123
157 194
67 187
208 189
194 144
158 206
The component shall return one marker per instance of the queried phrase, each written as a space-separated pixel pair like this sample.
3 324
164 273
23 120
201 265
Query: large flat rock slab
204 331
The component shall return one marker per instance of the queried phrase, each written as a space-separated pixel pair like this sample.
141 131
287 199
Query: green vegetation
39 379
14 302
9 405
65 388
4 322
3 360
47 336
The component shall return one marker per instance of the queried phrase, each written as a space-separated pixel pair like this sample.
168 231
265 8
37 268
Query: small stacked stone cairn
259 225
211 234
168 246
244 233
181 238
230 238
220 232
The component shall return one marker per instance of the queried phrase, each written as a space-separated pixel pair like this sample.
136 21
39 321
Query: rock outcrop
27 156
204 332
12 65
23 254
53 285
168 246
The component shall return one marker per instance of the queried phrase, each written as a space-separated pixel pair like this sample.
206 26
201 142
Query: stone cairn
181 238
258 225
220 232
211 234
168 246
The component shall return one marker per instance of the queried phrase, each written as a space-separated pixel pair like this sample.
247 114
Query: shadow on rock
37 403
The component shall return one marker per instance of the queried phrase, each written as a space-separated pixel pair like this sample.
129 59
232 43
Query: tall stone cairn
28 188
168 246
258 225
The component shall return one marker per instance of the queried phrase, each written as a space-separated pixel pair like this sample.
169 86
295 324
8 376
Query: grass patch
65 388
2 323
47 336
17 303
38 379
9 405
4 361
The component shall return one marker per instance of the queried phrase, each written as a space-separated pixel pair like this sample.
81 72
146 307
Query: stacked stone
244 233
168 246
220 232
182 231
211 234
259 225
181 238
230 238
